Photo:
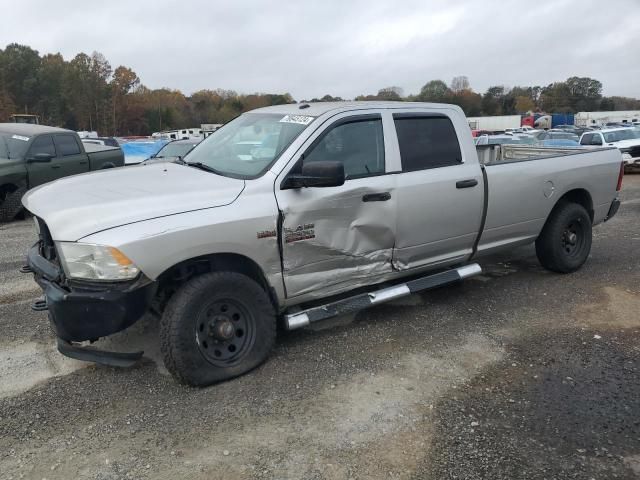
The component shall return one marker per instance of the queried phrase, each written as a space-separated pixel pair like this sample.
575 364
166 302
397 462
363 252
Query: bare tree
460 83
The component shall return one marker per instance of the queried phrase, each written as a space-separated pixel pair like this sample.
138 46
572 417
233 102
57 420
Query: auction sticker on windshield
300 119
20 137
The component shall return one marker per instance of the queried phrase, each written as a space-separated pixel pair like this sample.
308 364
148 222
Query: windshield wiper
203 166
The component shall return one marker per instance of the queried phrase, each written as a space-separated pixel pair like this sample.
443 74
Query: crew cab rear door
71 156
440 191
341 237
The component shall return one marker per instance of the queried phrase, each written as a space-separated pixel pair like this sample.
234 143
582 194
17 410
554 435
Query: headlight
95 262
626 157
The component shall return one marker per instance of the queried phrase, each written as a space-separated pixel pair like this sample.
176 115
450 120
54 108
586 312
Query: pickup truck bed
335 207
523 174
103 156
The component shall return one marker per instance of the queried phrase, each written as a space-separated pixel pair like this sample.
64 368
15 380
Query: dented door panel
332 239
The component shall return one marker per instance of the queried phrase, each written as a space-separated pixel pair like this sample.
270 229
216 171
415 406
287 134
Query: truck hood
77 206
626 143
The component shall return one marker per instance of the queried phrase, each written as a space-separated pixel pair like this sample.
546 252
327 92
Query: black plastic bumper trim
40 265
103 357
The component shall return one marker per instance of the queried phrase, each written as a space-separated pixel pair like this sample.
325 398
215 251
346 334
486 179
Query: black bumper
613 209
87 311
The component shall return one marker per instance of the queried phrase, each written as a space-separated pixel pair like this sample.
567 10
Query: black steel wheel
565 241
215 327
573 237
225 332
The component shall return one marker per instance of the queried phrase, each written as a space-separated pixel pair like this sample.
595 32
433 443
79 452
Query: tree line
86 93
575 94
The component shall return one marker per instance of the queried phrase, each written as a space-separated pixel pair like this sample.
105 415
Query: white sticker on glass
300 119
20 137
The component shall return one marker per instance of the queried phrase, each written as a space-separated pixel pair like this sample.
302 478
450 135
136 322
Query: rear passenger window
359 145
426 142
67 145
586 139
43 144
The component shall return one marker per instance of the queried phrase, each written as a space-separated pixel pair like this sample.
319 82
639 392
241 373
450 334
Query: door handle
376 197
467 183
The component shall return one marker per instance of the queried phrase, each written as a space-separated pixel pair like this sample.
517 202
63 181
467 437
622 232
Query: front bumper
80 311
630 161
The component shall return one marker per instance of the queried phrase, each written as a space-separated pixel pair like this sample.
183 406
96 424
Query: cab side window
67 145
587 138
43 144
426 142
357 144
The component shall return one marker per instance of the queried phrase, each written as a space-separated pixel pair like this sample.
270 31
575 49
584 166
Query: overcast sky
342 47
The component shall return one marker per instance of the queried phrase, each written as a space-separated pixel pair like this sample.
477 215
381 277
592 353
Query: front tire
565 241
11 206
215 327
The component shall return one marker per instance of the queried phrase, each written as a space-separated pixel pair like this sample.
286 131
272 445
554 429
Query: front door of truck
440 195
338 238
41 170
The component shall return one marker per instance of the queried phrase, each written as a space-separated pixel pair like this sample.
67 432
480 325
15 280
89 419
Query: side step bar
364 300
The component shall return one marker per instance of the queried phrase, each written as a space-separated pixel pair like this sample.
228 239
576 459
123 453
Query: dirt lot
516 374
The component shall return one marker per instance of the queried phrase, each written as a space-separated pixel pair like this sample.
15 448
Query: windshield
248 145
622 134
175 150
13 146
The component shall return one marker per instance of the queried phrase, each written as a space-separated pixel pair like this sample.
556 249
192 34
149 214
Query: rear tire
565 241
11 206
215 327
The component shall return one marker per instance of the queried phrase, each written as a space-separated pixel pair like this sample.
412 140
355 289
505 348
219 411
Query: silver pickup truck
292 214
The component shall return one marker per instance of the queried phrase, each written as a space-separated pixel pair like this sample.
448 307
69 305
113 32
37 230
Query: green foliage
85 93
434 91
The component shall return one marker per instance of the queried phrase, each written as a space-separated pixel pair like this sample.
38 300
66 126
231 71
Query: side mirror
40 158
317 174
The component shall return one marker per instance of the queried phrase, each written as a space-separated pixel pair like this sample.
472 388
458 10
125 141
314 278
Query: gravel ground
515 374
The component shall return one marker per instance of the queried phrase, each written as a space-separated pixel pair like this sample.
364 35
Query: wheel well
579 196
7 188
171 279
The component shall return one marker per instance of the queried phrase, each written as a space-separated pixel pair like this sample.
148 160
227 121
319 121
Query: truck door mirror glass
41 157
317 174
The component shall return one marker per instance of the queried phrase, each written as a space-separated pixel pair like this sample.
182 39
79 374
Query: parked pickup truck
31 155
626 139
357 203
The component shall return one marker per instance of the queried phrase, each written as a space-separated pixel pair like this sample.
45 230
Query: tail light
620 176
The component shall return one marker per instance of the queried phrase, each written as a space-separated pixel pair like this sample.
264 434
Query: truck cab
626 139
32 155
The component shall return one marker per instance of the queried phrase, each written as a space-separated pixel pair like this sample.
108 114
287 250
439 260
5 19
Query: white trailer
593 119
182 134
495 123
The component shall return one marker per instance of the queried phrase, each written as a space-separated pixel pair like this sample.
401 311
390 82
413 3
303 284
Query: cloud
343 48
